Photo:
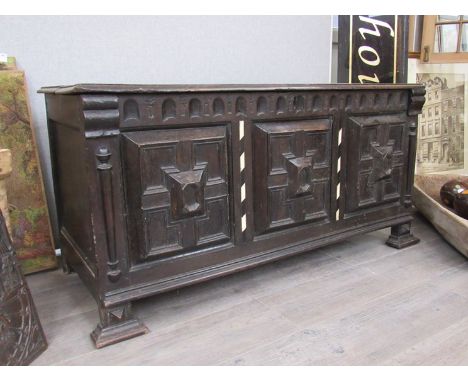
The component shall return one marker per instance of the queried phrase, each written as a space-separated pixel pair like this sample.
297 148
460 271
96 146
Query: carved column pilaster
416 102
412 162
101 121
401 236
104 168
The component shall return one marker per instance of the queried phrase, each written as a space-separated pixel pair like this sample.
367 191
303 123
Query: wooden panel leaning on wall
29 220
164 186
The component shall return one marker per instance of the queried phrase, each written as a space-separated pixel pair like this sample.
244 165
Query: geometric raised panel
382 156
187 193
375 172
177 189
291 173
299 175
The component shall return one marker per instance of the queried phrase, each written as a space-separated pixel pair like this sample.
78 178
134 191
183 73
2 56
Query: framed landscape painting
30 225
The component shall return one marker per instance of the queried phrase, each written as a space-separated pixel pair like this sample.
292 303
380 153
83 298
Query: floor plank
205 340
369 336
358 302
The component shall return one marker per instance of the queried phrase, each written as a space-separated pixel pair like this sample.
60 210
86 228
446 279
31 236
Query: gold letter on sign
362 78
375 61
376 31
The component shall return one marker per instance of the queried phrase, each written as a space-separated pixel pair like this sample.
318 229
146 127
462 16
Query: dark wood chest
159 187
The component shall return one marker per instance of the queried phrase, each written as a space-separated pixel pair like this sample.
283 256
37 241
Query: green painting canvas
30 226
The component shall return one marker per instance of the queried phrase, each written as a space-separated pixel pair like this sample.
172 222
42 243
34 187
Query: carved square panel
187 193
376 154
291 173
177 189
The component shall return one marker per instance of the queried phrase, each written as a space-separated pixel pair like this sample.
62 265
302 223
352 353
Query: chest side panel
71 183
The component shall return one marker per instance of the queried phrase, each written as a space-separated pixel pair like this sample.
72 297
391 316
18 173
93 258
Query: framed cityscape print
441 132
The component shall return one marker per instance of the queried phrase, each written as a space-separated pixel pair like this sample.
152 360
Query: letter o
375 61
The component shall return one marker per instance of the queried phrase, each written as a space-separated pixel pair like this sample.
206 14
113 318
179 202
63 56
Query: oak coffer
158 187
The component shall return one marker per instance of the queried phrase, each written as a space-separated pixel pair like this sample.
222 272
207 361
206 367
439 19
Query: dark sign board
372 49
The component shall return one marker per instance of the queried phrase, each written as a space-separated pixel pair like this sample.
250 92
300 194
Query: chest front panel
291 173
177 189
377 147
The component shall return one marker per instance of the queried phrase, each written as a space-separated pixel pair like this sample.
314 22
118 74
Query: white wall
58 50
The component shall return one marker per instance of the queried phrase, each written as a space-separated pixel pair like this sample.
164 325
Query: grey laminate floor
354 303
